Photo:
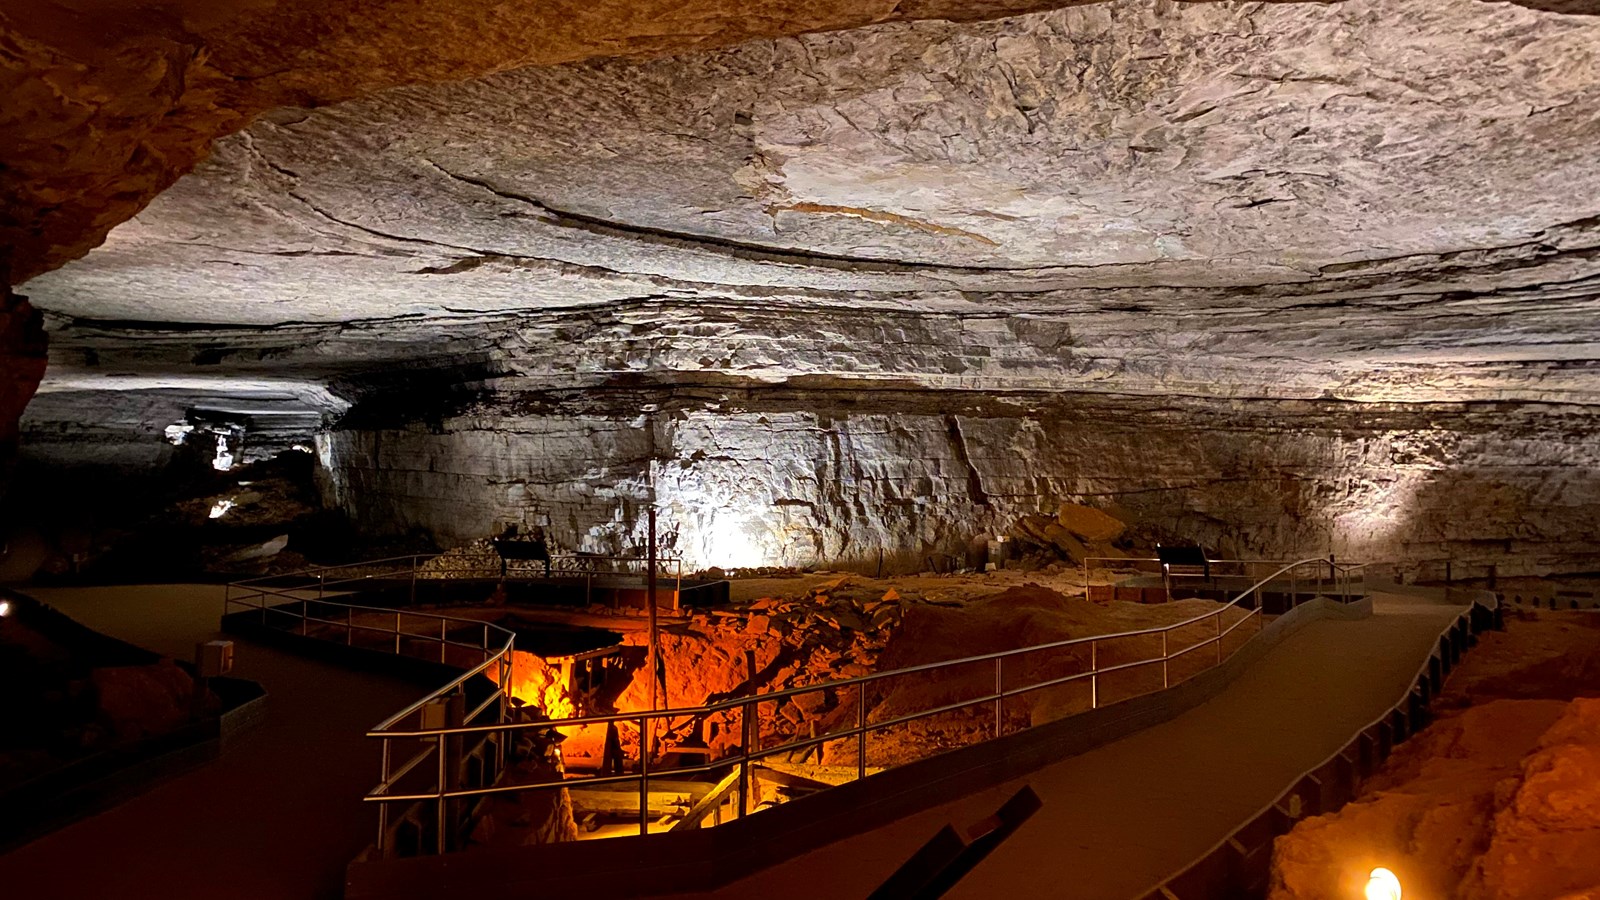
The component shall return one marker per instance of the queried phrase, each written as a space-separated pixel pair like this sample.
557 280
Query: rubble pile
1074 533
833 630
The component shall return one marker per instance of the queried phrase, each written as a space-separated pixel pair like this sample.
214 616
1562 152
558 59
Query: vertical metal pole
321 580
383 808
999 693
1166 681
746 716
397 633
443 823
861 729
441 640
349 630
1094 674
303 614
653 660
644 775
1219 634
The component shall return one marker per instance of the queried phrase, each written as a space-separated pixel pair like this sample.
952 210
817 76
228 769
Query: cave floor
1118 819
276 817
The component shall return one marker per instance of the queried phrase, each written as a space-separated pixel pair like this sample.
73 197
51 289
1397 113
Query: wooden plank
709 802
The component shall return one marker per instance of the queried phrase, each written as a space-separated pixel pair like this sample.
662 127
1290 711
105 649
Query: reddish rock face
22 360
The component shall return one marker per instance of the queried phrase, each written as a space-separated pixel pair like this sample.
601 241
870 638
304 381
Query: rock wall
833 478
22 362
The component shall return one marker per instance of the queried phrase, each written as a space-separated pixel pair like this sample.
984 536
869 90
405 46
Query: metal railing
302 602
1221 571
454 785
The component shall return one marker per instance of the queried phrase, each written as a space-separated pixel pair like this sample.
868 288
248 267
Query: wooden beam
709 802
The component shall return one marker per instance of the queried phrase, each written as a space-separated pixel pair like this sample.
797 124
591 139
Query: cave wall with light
1279 278
802 478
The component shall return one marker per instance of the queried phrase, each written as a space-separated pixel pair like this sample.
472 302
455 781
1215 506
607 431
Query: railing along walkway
1121 817
419 772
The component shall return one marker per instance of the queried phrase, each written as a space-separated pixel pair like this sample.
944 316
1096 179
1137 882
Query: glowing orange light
1382 884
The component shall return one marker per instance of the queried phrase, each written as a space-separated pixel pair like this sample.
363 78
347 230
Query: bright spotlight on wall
5 607
1382 885
220 507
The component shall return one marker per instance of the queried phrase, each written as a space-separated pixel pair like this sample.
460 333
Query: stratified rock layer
835 477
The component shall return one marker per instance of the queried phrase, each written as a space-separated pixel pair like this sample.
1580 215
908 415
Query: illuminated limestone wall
834 477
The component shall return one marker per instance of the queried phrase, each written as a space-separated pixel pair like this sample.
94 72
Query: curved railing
302 601
470 757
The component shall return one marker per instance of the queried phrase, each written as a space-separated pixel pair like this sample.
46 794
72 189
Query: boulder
1089 524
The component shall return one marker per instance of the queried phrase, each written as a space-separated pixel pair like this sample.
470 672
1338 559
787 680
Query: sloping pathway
1120 818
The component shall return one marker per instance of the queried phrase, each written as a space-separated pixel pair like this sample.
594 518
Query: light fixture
1382 885
5 607
224 458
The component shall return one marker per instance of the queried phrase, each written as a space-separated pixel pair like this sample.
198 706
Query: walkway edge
1239 866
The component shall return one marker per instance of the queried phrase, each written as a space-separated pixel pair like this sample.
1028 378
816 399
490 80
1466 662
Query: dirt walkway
276 818
1119 818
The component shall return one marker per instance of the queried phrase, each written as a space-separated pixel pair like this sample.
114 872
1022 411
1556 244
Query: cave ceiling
1373 199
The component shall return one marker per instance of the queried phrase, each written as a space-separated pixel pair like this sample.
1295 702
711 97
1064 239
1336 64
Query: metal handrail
764 697
746 755
1134 563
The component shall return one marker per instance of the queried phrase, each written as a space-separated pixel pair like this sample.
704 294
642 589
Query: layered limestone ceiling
1373 200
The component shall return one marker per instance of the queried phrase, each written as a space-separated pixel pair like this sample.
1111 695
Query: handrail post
1219 633
1094 675
746 714
349 627
999 694
443 824
644 775
383 808
397 633
861 730
442 644
1166 680
304 613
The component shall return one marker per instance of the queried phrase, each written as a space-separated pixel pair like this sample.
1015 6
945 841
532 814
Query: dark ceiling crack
736 249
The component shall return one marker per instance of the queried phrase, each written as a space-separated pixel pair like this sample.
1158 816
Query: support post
861 729
1219 634
1094 674
746 716
443 819
644 775
999 694
654 662
1166 681
383 808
